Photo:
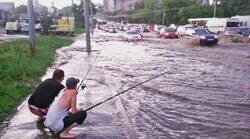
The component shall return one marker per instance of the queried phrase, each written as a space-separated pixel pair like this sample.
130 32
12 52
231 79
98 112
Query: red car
170 33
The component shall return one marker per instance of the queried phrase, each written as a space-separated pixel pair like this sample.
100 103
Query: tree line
179 11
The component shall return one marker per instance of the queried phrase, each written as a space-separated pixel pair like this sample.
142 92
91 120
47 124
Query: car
157 28
170 33
121 27
173 26
12 26
245 32
112 30
25 27
145 28
203 35
162 31
181 30
137 29
132 36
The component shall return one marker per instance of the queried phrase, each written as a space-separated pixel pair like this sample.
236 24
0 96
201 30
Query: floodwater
205 93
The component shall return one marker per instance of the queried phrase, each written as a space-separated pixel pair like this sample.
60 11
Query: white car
162 31
181 30
12 27
132 36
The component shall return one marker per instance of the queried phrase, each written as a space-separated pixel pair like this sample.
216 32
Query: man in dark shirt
45 93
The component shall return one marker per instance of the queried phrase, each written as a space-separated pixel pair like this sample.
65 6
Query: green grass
79 30
20 72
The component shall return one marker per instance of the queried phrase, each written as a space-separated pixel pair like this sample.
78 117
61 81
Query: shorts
38 111
78 118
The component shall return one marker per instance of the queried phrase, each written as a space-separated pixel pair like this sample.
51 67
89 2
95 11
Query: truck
227 25
64 25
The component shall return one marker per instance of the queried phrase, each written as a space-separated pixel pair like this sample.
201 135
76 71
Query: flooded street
206 93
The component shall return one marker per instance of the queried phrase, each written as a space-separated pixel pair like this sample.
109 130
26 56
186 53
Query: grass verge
20 72
79 30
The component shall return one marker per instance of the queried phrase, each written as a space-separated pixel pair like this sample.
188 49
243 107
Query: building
204 2
39 8
108 6
53 10
8 7
7 11
116 5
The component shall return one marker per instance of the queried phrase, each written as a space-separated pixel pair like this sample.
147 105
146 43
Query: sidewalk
105 121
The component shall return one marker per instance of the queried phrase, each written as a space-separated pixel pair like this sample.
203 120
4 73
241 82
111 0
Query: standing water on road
205 94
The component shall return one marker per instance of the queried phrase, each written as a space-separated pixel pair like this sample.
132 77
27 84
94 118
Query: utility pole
91 16
87 26
215 6
163 15
32 36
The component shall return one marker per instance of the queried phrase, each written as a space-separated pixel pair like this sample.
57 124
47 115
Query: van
11 27
227 25
244 20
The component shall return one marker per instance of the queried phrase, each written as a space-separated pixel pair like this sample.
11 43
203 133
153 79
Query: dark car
112 30
245 32
204 36
145 28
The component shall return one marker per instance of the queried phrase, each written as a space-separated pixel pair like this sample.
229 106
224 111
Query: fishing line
90 67
125 91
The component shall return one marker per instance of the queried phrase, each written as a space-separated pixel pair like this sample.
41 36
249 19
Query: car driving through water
132 36
203 35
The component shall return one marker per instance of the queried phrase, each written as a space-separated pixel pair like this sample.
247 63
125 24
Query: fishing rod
90 67
125 91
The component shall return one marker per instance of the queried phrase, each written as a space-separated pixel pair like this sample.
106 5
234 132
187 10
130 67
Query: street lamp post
215 7
87 25
32 36
91 16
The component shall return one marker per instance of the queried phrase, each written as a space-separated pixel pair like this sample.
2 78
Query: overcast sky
57 3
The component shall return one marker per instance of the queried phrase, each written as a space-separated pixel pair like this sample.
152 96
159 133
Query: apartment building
7 11
115 5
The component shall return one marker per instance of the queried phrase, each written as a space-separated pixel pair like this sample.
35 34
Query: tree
139 5
235 7
172 7
78 14
22 9
150 5
46 22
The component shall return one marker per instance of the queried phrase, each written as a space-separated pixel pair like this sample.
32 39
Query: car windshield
132 33
202 31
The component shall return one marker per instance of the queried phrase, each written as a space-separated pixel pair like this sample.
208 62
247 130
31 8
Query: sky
57 3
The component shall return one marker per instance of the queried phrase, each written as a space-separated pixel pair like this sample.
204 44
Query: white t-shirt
55 115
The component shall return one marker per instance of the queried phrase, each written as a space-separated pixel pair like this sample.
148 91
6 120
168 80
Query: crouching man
63 114
45 93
